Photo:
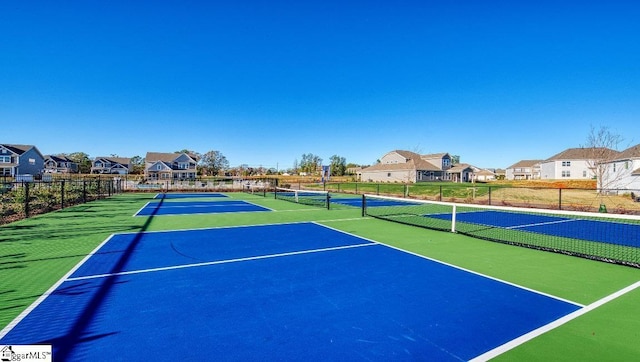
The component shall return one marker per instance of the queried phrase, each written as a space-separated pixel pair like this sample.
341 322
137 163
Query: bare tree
601 146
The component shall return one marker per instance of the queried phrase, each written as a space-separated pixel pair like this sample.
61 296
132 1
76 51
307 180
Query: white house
623 173
524 170
574 163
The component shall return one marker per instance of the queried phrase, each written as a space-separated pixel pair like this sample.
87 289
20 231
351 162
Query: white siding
618 176
566 170
392 158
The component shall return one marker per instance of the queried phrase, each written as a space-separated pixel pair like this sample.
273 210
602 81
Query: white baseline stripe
183 266
555 324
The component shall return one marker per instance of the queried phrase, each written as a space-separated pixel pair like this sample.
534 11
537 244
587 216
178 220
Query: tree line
214 163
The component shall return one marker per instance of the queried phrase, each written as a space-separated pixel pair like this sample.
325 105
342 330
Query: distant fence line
19 200
577 199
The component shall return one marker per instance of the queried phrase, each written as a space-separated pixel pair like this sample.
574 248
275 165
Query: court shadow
79 331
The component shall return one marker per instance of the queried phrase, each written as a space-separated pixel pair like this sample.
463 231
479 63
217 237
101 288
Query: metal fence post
559 199
62 194
26 198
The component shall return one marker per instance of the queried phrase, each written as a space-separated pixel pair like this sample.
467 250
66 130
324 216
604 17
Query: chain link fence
21 200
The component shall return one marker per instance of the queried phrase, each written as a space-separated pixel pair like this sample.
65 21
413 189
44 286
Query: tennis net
606 237
306 197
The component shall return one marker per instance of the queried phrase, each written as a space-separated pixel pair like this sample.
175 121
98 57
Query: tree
214 162
138 165
310 163
83 161
601 150
338 165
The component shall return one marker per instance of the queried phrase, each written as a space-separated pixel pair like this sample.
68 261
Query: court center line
193 265
553 325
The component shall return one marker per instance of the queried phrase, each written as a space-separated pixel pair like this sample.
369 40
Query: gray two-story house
59 164
111 165
170 166
20 160
407 166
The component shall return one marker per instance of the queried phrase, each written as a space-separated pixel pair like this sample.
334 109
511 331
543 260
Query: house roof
165 157
460 167
485 172
525 163
17 149
588 153
630 153
58 158
434 155
121 160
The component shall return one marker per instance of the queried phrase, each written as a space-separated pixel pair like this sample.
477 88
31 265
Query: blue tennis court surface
290 291
198 207
371 202
189 195
591 230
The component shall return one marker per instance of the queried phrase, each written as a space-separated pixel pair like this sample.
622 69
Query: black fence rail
20 200
621 201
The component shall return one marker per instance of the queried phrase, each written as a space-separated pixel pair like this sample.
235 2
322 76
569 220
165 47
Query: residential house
524 170
407 166
59 164
111 165
355 171
20 160
484 175
468 173
623 173
462 172
574 163
170 166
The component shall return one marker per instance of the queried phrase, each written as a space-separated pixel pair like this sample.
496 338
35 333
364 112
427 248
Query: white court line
193 265
46 294
457 267
555 324
541 223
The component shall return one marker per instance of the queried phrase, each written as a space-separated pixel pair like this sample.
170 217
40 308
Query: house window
614 167
566 163
32 161
5 159
584 173
388 174
158 167
445 162
5 171
183 165
566 173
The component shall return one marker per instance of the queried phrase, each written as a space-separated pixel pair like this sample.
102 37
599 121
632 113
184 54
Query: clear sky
265 81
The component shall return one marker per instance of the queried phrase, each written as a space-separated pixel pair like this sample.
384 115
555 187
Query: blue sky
265 81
